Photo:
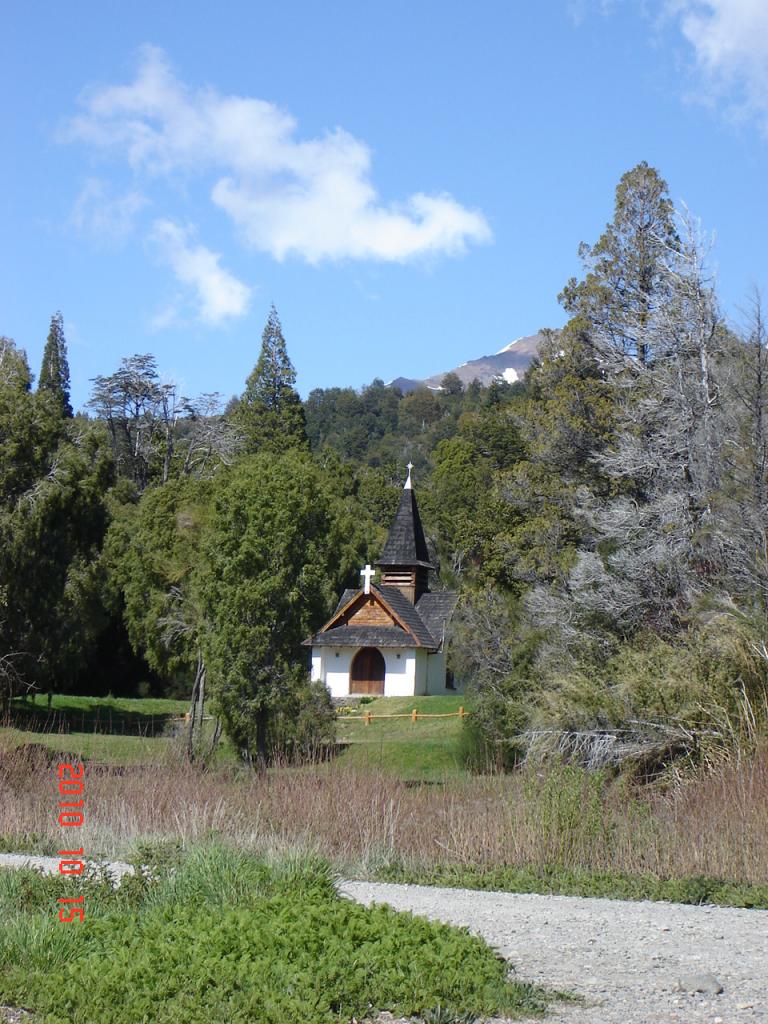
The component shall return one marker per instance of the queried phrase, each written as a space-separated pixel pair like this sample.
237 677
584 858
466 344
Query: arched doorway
367 672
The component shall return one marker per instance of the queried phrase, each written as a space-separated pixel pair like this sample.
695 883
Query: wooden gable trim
376 595
340 613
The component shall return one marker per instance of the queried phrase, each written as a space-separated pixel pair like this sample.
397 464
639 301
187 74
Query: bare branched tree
654 543
211 440
745 453
12 680
181 627
141 414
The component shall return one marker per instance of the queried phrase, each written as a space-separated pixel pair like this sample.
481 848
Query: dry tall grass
715 823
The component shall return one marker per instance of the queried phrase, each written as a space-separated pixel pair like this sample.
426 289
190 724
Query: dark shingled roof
406 544
426 621
348 594
363 636
435 610
407 613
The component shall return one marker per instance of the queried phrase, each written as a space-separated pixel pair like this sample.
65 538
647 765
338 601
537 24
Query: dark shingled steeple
404 562
406 545
400 611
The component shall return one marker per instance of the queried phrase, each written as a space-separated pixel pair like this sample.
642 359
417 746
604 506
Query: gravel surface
631 962
50 865
626 959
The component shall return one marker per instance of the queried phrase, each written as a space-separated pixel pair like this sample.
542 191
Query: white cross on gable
408 484
368 573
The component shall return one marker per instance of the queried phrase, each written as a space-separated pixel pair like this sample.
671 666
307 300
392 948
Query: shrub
304 725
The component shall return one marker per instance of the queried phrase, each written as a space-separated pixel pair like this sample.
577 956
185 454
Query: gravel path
50 865
624 958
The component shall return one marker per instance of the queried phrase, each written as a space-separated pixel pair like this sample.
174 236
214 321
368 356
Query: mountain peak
509 364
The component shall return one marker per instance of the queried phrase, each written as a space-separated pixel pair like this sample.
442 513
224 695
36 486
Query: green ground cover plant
218 935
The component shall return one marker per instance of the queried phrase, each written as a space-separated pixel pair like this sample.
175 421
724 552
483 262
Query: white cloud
730 41
219 294
107 217
286 196
578 10
168 316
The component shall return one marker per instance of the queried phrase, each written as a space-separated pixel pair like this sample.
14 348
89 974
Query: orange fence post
414 715
462 712
367 717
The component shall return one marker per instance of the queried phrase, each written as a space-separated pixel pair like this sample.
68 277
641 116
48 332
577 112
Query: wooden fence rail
415 715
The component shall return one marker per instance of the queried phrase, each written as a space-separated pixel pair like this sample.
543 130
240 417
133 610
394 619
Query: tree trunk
262 719
168 454
215 738
202 698
196 688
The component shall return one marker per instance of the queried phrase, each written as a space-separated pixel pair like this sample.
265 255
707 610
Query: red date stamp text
71 780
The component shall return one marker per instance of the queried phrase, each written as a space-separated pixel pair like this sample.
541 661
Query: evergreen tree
54 372
14 368
451 384
584 382
282 542
270 413
153 558
627 278
53 477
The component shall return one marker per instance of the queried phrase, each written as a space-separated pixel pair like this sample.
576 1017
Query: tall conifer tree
627 278
54 372
270 413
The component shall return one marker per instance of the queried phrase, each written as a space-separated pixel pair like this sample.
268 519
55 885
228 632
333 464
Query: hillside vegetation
603 520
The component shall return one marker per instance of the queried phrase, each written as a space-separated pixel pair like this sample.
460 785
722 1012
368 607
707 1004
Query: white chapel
389 638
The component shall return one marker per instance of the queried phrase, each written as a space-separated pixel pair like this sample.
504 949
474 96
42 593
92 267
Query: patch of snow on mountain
509 346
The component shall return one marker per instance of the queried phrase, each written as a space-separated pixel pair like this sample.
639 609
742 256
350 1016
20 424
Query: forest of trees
604 519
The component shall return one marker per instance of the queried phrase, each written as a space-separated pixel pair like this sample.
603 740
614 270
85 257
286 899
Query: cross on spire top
408 485
368 573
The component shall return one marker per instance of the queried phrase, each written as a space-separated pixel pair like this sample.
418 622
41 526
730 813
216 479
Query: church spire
404 562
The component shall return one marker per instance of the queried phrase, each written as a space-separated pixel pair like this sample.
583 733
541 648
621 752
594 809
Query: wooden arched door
367 672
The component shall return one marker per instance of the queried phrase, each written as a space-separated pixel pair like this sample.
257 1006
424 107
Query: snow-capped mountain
509 363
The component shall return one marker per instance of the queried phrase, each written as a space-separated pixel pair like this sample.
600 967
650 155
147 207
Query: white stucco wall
405 670
409 672
333 670
401 674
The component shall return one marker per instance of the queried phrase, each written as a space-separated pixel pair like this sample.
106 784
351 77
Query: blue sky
407 182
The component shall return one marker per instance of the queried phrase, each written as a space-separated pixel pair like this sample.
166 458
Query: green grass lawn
110 730
430 749
114 730
115 715
99 747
